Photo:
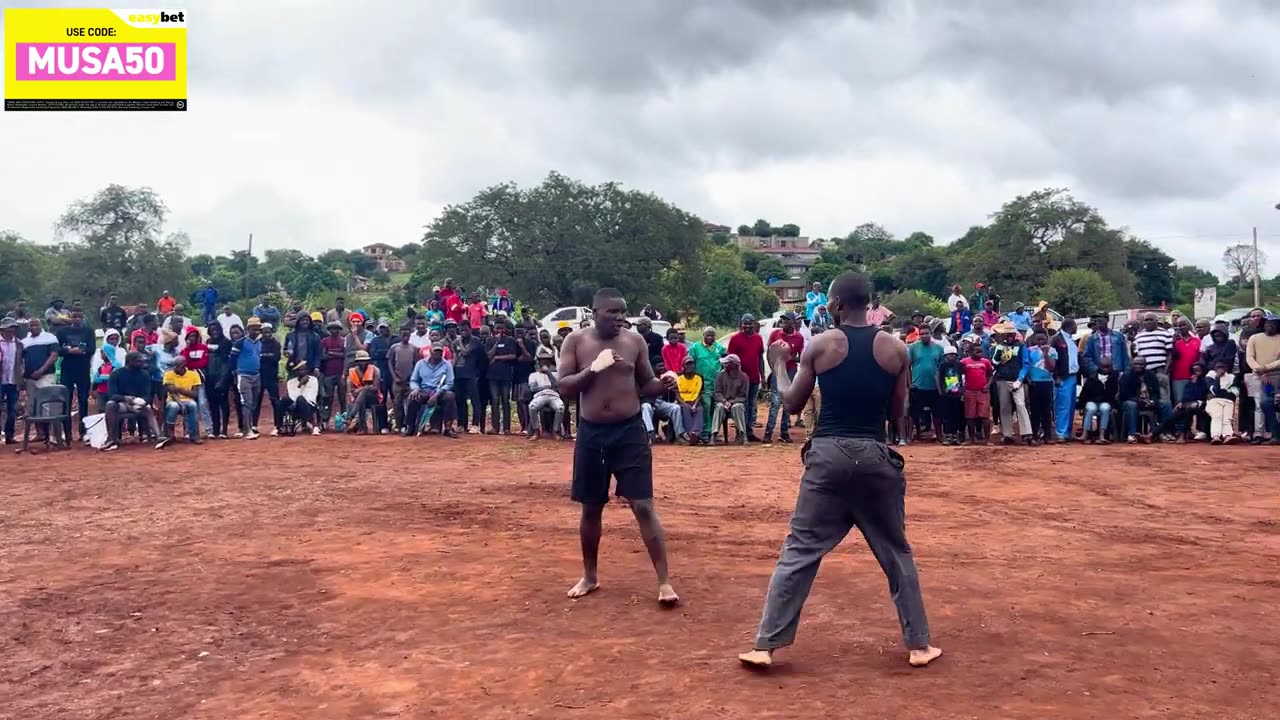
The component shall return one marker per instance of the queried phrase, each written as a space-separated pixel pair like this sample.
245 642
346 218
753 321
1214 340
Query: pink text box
76 61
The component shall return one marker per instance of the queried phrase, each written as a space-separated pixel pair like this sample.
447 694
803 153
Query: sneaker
1133 439
384 431
275 432
315 430
251 435
195 441
1201 437
254 430
1216 441
768 439
473 431
237 435
111 447
1029 440
163 441
450 434
1230 440
786 439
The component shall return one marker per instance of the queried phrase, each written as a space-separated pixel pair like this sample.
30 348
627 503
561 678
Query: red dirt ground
338 577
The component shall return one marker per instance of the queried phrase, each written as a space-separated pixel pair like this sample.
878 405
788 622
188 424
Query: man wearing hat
1021 318
363 391
431 386
246 357
270 362
333 352
749 347
10 373
730 399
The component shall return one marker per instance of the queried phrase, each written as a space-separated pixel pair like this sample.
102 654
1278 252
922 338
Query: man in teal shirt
706 362
926 356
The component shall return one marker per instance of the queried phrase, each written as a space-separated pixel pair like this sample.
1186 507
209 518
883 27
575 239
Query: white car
570 317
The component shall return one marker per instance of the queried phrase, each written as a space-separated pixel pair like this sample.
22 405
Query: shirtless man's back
608 370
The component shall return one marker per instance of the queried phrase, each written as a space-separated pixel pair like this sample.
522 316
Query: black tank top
855 393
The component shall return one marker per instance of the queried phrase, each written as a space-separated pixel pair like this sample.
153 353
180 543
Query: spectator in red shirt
1186 351
674 352
166 303
978 372
333 351
794 341
196 353
749 347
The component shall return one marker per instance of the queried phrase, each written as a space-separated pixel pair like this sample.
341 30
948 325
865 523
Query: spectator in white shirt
302 391
227 319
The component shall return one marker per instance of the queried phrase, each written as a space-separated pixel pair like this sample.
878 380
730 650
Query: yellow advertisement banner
59 59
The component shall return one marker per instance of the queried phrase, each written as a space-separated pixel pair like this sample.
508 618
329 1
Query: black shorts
620 450
921 399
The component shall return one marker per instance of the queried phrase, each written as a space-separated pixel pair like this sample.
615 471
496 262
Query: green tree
727 295
788 230
24 269
768 301
1153 270
1076 292
923 269
762 228
313 278
824 273
744 230
905 302
868 244
770 267
559 242
117 245
917 241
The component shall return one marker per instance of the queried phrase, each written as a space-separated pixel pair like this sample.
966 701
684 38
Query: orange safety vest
356 382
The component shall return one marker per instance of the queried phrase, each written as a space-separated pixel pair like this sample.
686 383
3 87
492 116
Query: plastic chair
51 406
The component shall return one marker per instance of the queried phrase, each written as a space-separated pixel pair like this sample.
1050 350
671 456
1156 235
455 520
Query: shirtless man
851 478
609 371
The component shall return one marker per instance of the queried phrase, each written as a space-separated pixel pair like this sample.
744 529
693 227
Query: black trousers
445 407
500 396
952 414
219 407
303 411
482 390
468 396
270 386
77 377
1041 409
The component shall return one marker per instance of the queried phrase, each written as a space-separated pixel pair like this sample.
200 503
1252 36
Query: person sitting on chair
431 388
544 393
127 394
730 399
363 391
301 394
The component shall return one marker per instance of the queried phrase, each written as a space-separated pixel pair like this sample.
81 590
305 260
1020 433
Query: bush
905 302
727 295
1076 292
769 302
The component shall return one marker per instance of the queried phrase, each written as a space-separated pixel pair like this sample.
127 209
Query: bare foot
667 595
924 656
584 588
756 659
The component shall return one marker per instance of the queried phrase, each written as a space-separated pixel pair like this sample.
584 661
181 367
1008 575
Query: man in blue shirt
1066 375
1021 318
267 312
431 386
246 356
209 303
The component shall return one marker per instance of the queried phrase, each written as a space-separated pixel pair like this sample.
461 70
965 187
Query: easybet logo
157 18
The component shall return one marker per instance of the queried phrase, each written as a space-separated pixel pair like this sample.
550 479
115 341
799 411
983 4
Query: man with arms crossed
851 477
609 370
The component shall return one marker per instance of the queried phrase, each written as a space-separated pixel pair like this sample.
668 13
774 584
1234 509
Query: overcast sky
316 123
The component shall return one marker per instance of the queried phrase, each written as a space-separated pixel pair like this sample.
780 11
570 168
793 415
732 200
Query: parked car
570 317
1235 316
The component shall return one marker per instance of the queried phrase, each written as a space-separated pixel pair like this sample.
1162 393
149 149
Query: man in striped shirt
1155 345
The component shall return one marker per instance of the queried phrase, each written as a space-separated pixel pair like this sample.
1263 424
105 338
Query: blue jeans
190 412
775 401
1269 415
1064 406
662 409
9 393
1102 412
1176 388
1164 410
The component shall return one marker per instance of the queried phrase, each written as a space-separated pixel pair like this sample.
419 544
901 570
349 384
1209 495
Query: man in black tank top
851 478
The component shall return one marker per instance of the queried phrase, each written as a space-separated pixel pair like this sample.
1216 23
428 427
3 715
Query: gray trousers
1011 400
847 483
737 411
250 388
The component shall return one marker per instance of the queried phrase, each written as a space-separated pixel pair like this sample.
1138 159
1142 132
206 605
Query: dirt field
345 578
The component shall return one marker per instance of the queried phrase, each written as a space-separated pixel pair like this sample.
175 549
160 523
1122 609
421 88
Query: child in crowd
1221 404
1043 361
1192 405
1098 397
978 372
951 389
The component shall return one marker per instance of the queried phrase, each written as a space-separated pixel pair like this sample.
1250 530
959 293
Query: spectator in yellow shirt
689 390
182 386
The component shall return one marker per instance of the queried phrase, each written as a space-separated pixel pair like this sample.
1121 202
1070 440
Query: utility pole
244 282
1257 297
